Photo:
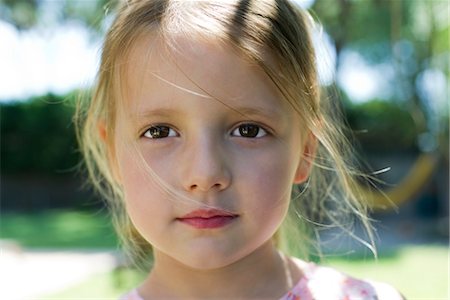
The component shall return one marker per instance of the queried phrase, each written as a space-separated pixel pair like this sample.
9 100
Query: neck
260 275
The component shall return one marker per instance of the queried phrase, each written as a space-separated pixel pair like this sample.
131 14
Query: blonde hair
261 30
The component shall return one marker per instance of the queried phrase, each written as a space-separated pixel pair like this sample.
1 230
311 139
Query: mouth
208 218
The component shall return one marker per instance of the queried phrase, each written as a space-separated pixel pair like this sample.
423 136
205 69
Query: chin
209 260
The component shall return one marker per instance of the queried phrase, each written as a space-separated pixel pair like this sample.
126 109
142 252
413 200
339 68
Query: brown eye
159 132
249 131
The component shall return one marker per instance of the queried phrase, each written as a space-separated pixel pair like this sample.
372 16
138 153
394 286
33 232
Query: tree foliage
382 126
26 14
411 40
38 136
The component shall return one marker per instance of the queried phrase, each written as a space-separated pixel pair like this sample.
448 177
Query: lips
208 218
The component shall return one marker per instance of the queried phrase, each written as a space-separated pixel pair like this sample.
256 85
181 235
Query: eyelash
167 129
170 132
257 126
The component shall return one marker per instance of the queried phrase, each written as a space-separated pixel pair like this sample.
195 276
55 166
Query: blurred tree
21 13
407 43
38 136
409 37
25 14
392 128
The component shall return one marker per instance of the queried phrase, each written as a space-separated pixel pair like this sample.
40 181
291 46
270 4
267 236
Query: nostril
194 187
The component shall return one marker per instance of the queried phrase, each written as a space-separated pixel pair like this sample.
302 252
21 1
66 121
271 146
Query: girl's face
214 129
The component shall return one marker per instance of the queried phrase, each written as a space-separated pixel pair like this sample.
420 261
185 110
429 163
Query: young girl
204 117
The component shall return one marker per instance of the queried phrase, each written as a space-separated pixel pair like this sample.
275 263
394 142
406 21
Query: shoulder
340 285
386 291
131 295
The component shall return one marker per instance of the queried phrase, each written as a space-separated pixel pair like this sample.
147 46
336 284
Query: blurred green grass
419 272
58 229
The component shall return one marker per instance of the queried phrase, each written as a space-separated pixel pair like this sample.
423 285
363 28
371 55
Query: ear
306 160
102 130
101 127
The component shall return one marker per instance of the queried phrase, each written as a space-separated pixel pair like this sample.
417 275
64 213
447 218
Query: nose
204 167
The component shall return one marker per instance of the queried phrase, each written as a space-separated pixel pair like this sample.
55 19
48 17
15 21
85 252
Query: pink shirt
324 283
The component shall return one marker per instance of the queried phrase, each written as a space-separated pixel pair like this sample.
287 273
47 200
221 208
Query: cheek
267 178
138 175
135 179
145 202
271 168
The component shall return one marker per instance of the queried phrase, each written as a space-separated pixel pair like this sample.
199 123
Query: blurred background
386 60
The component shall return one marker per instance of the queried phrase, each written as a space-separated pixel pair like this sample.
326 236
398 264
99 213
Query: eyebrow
158 112
241 110
258 111
164 112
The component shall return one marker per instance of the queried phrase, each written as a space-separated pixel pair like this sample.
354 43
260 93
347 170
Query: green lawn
418 272
58 229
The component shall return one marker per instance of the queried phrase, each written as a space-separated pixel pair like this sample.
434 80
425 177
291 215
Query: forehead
163 68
